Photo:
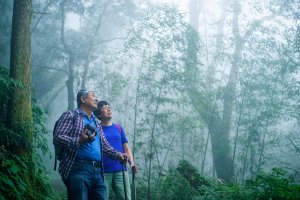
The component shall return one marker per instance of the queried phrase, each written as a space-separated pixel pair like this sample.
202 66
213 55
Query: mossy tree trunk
20 113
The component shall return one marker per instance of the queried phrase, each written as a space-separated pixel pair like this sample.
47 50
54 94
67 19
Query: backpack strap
120 131
119 128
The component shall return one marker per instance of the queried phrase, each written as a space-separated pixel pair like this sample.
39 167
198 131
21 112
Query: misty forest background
208 92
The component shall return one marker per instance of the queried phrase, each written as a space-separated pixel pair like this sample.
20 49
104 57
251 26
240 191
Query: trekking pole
124 180
133 184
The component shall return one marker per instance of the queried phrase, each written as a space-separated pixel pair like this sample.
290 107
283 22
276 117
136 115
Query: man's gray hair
82 93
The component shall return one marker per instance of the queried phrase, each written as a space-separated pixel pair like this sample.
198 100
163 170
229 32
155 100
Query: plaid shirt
67 135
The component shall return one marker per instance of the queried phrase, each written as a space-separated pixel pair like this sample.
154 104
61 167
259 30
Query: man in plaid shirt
81 165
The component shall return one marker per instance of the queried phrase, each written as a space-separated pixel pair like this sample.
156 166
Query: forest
208 93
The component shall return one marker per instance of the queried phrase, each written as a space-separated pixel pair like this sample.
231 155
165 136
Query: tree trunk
245 158
219 124
215 124
194 10
236 137
205 152
221 151
20 113
91 47
136 107
219 127
70 83
153 146
261 152
5 27
67 49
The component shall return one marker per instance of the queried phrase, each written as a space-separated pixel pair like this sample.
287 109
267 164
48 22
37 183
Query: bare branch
52 68
256 24
41 16
294 145
112 39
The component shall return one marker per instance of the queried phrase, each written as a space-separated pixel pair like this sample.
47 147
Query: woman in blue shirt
116 137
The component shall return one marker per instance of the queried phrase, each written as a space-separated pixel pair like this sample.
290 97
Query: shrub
22 177
186 183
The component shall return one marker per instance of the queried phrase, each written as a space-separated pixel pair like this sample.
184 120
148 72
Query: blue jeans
86 182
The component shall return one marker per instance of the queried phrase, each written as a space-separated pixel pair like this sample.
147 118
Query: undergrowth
22 177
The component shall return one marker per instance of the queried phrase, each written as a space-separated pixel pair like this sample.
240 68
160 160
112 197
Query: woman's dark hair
100 104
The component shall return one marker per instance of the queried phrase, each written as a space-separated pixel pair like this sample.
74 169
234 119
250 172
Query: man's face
106 112
90 100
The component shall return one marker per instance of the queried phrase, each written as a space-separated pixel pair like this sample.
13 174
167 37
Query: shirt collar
83 113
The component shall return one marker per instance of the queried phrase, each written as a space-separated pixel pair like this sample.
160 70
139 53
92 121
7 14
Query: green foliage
160 41
276 185
14 182
11 181
185 182
22 177
7 85
39 128
175 186
191 174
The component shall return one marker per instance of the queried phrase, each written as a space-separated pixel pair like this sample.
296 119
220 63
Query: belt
90 162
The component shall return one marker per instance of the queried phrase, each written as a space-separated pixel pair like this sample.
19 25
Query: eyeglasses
106 107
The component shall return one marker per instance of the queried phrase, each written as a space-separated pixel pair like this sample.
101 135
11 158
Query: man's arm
63 135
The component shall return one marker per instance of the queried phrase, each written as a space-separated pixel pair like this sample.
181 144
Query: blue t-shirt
90 150
116 140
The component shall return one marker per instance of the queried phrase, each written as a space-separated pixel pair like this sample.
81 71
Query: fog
215 83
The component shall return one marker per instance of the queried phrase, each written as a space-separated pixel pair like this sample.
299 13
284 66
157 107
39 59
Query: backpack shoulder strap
119 128
120 131
74 116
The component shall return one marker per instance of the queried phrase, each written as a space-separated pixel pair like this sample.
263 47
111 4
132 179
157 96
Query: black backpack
58 149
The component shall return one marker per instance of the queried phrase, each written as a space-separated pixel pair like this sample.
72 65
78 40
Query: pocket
76 169
76 188
75 176
75 183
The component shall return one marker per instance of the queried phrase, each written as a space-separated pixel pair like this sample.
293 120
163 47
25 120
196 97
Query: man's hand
122 157
85 138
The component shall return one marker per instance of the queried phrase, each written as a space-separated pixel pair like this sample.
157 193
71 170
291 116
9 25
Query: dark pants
86 182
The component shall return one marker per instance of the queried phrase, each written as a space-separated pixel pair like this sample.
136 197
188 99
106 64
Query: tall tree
5 27
20 113
217 111
217 123
71 59
194 9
